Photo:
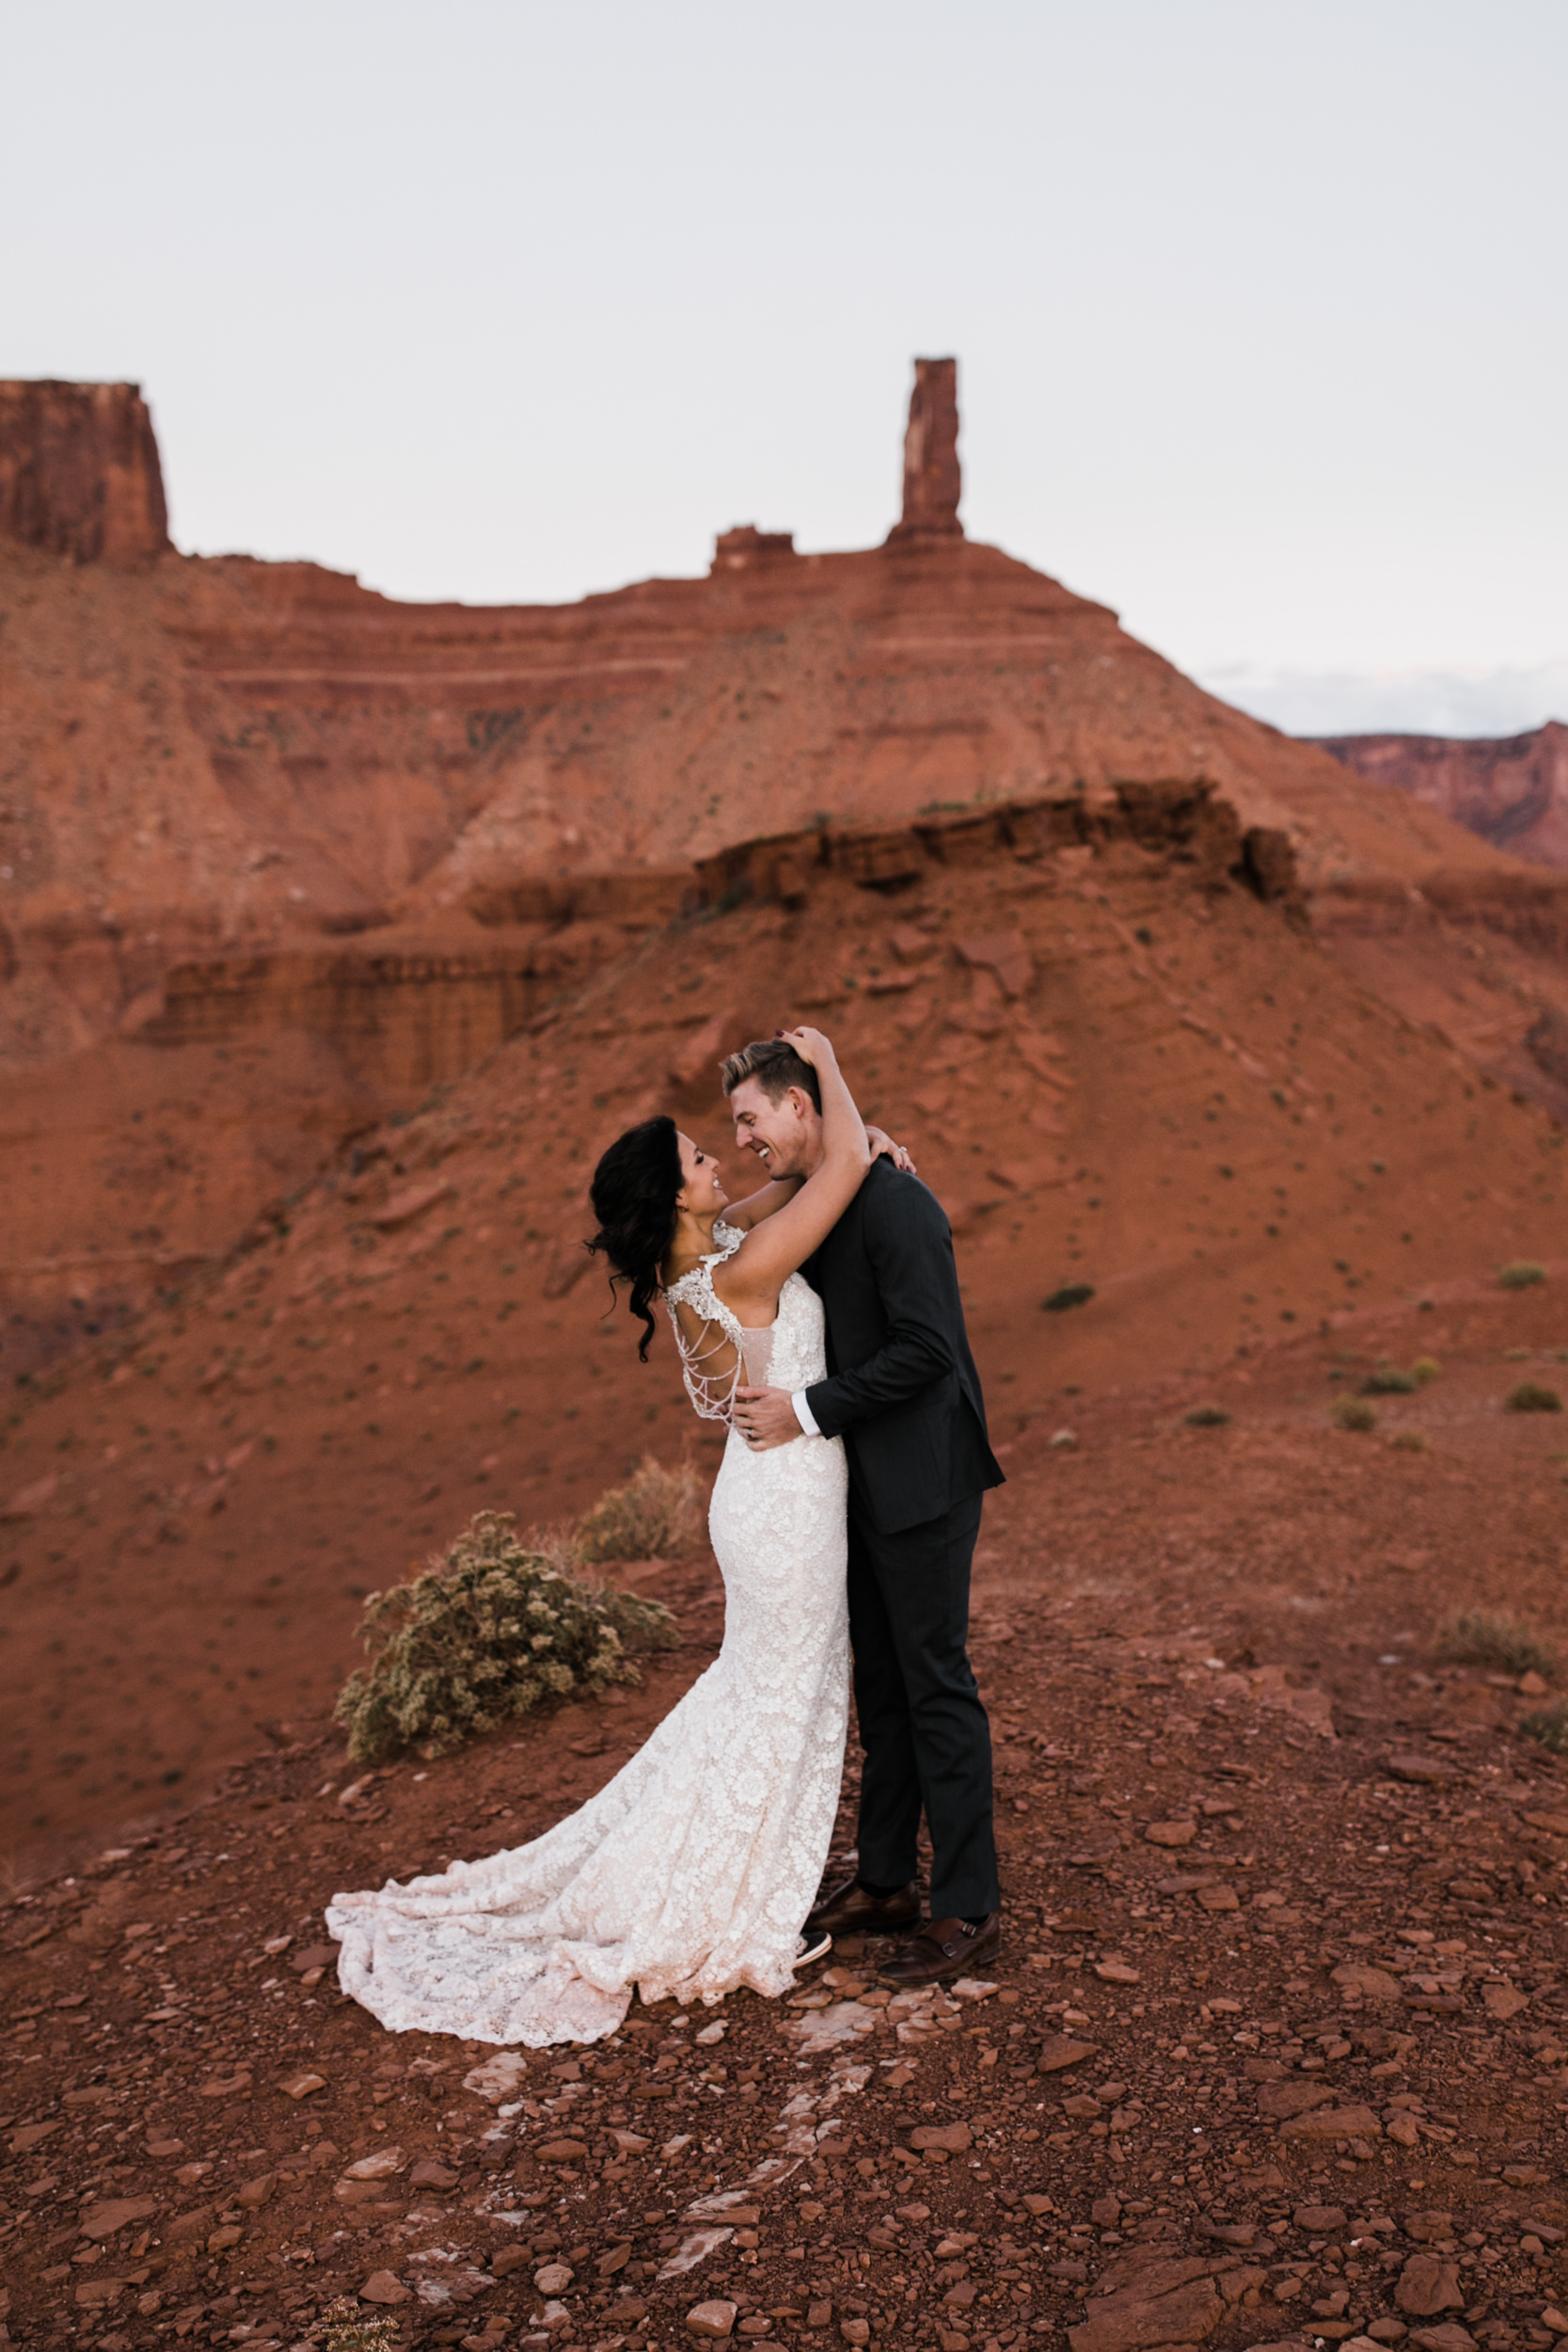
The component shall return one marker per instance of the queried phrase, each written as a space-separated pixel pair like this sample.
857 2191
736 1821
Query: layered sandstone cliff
255 806
1512 790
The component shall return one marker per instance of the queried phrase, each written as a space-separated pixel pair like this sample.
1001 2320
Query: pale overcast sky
1258 303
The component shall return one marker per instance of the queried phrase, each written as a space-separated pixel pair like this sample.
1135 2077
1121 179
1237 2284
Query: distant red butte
278 854
210 757
1511 790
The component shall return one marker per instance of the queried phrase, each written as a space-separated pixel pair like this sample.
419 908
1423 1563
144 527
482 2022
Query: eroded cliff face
79 471
205 758
276 853
228 755
1512 790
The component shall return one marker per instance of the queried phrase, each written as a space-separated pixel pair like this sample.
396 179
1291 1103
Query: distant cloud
1395 702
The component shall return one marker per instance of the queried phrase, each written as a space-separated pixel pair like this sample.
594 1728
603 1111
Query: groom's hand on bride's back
766 1418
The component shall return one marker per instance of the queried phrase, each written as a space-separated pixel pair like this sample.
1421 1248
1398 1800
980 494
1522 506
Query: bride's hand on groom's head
811 1044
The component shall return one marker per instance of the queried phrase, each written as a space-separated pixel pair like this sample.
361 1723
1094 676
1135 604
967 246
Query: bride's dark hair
633 1195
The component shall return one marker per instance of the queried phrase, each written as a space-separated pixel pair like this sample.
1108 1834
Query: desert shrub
1550 1727
1388 1380
350 2330
1522 1275
1532 1396
1351 1412
656 1513
1206 1417
1425 1368
492 1629
1490 1637
1071 1294
1411 1441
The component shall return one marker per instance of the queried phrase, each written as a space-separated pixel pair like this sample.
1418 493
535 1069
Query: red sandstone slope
208 755
1512 790
276 853
1117 1067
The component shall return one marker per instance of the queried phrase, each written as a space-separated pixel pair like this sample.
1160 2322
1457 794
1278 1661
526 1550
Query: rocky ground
1274 2053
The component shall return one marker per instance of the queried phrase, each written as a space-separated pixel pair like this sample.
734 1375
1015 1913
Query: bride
692 1871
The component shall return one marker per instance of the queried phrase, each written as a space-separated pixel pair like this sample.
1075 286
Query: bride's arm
743 1214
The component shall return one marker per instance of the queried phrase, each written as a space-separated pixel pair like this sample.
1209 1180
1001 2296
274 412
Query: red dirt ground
1229 1630
1117 1075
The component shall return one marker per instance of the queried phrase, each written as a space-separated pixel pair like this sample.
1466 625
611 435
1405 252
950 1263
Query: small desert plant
1388 1380
1532 1396
1425 1368
491 1629
1351 1412
1071 1294
656 1512
347 2328
1489 1637
1206 1417
1522 1275
1411 1441
1550 1727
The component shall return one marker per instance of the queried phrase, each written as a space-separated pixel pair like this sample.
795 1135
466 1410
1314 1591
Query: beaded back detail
722 1335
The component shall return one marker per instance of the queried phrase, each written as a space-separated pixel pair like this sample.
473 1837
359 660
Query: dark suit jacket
901 1390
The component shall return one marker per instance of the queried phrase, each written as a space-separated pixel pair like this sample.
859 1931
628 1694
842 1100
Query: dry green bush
1071 1294
1532 1396
1388 1380
491 1630
351 2330
657 1513
1425 1368
1411 1441
1522 1275
1351 1412
1490 1637
1550 1727
1206 1417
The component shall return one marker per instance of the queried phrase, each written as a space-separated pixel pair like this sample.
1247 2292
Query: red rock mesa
79 471
277 853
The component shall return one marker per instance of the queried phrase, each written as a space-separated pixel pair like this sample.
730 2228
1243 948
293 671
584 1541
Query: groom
903 1392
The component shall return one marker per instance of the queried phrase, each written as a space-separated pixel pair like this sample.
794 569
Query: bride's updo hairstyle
633 1194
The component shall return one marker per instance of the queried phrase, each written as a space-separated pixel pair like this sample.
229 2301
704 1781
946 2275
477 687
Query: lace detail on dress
692 1869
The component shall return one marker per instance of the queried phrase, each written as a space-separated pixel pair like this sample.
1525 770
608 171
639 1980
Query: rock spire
932 481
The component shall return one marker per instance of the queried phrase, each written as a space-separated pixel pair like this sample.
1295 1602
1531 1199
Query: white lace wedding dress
692 1872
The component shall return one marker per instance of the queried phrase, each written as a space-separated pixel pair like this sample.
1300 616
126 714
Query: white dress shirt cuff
804 1415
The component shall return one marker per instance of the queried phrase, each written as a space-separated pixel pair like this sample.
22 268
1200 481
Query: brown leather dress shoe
849 1909
943 1948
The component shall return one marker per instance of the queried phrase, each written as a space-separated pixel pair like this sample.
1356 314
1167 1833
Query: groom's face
782 1133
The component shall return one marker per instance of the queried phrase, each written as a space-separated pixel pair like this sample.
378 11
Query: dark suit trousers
922 1725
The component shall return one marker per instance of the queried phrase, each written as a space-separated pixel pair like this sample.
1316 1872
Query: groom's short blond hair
776 1067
